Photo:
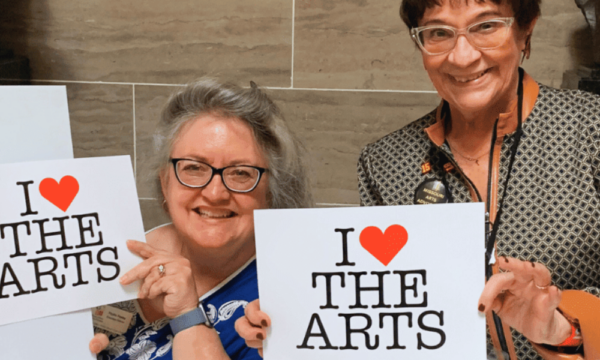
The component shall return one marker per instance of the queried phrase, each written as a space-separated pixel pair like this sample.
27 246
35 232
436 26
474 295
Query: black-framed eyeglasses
237 178
440 39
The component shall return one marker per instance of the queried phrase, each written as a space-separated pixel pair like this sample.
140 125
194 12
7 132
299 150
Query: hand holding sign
173 290
524 298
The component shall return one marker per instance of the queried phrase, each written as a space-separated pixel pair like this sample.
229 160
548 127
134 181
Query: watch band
191 318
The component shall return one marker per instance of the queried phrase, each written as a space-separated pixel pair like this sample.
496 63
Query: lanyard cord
491 239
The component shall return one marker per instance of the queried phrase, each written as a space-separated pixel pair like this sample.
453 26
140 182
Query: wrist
566 334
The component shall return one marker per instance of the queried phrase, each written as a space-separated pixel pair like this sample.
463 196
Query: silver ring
161 269
543 287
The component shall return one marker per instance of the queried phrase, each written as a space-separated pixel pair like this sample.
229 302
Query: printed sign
63 228
375 282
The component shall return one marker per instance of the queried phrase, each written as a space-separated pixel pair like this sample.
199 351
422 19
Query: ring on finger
161 270
543 287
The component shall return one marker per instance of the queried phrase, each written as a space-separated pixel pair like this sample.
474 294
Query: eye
486 27
437 34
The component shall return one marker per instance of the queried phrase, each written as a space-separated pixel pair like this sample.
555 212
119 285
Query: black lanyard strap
491 239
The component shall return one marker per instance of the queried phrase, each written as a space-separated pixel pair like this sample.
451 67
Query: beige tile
359 44
152 214
335 126
561 41
363 44
101 118
149 101
153 40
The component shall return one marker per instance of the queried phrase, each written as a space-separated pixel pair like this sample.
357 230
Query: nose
216 192
464 54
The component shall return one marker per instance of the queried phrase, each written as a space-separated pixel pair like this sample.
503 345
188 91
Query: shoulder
162 237
568 100
407 140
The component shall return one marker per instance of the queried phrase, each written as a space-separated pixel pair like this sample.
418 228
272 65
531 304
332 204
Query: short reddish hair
412 11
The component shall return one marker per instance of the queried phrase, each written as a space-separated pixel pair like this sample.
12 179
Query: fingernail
532 264
506 259
123 279
260 336
95 348
481 308
264 323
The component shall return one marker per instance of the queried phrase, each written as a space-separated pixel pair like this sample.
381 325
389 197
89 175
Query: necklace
472 159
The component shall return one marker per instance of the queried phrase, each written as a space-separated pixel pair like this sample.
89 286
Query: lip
214 213
472 78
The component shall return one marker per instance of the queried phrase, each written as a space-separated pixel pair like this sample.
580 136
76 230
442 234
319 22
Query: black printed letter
345 261
328 277
321 334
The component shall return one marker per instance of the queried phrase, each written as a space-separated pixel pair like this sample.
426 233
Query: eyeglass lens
486 35
198 174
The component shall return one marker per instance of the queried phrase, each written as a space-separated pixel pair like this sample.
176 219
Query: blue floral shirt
224 305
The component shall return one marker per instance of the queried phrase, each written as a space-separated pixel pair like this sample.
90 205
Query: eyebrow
205 160
477 18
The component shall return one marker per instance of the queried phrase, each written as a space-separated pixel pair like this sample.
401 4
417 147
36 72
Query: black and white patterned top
552 206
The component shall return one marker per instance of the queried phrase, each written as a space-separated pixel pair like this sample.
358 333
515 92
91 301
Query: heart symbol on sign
60 194
384 246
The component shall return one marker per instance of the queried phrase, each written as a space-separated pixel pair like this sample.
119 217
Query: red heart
384 246
60 194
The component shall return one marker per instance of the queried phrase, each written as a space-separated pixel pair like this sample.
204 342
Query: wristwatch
191 318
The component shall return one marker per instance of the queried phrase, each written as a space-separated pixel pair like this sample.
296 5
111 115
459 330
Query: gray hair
288 176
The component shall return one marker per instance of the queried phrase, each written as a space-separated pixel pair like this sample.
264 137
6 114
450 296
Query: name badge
111 319
432 191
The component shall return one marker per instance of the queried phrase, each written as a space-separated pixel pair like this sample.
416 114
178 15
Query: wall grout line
263 87
293 35
337 205
353 90
134 137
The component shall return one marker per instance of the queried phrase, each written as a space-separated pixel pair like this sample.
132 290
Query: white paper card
72 218
406 285
34 124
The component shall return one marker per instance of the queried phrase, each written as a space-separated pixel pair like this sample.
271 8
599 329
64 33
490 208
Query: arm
369 195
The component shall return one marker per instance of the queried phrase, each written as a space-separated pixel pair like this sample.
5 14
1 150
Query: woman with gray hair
225 152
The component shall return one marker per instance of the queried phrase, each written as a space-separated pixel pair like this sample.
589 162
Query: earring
527 49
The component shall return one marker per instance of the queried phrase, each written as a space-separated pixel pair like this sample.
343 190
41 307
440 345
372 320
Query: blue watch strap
189 319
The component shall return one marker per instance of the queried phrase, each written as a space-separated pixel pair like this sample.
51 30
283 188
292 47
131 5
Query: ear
528 31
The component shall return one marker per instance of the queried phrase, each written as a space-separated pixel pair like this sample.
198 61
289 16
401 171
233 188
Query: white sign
63 228
28 115
375 282
34 124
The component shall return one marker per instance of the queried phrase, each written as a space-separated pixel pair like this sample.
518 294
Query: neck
210 266
472 130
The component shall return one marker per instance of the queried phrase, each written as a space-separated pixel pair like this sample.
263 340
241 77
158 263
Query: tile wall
345 72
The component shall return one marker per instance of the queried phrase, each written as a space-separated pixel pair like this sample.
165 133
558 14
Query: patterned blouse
154 340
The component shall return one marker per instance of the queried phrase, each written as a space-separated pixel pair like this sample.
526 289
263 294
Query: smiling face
212 216
470 79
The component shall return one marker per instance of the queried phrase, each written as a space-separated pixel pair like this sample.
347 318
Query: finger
255 344
143 269
248 332
541 275
526 271
159 287
98 343
493 288
521 269
141 249
153 276
255 315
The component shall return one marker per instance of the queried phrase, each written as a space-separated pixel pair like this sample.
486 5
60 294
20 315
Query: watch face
207 321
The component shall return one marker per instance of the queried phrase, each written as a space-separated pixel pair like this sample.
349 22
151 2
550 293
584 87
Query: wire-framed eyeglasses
484 35
236 178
